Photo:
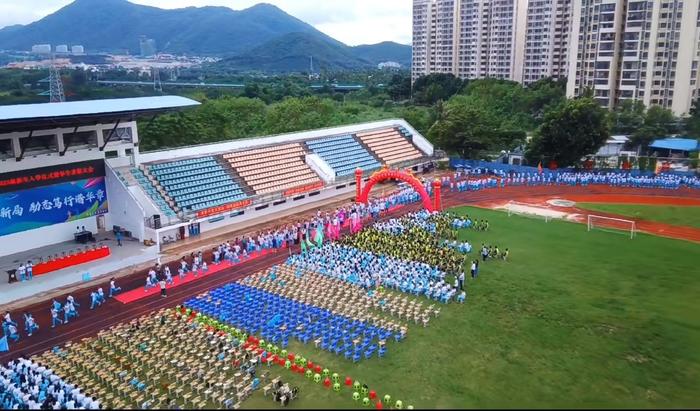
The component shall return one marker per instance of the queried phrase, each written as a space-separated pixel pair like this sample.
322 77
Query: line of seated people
151 191
344 154
197 184
272 169
390 145
24 384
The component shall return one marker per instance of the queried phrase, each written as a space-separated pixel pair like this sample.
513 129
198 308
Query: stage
130 253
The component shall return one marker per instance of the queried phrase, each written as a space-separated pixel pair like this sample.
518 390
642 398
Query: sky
351 21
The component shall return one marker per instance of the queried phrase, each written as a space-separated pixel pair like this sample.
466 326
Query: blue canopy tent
676 144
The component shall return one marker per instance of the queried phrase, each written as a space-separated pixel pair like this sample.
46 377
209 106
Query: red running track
113 312
606 195
141 293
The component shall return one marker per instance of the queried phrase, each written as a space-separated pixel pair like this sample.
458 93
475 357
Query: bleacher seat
197 184
390 145
152 192
272 169
344 154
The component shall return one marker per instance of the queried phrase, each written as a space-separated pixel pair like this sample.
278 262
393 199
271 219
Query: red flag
539 168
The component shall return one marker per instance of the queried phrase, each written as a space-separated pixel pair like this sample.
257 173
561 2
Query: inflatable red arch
362 192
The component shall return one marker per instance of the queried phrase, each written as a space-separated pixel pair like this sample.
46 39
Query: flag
4 346
539 168
319 235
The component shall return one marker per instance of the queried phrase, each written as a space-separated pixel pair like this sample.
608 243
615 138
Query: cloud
350 21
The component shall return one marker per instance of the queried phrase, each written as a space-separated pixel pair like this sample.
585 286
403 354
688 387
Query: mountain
115 25
291 52
385 51
261 37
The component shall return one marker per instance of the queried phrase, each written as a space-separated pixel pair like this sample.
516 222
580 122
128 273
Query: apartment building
644 50
547 34
487 38
468 38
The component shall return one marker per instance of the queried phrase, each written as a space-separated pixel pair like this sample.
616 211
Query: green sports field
573 319
675 215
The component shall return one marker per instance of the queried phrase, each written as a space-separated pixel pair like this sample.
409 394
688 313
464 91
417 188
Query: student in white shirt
21 272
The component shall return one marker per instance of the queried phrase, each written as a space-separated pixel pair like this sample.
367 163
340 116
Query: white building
634 49
62 48
389 65
77 50
546 39
41 49
486 38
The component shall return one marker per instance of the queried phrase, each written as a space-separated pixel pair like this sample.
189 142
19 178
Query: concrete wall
44 236
421 142
320 167
125 210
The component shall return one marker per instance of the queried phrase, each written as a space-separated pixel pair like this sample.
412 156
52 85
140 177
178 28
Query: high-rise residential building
546 39
433 37
470 38
644 50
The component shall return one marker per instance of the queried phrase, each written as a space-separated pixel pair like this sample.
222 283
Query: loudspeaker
156 221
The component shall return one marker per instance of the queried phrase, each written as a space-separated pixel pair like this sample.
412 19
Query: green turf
573 319
675 215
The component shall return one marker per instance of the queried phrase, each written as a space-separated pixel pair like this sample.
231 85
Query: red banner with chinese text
303 189
223 208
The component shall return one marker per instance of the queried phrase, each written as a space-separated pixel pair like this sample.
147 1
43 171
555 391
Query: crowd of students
414 244
25 384
472 181
372 270
61 313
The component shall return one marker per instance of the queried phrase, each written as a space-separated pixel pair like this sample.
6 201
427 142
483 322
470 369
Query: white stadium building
68 165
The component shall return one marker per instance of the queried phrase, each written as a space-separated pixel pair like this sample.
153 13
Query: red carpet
141 293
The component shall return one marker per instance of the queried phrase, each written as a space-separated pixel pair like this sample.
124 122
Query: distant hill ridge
262 37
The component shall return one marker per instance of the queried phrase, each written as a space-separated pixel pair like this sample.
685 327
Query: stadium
331 268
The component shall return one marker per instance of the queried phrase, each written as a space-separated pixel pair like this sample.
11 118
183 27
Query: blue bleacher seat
344 154
196 184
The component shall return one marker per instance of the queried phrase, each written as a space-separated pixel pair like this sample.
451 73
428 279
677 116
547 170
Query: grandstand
47 150
205 187
344 154
391 145
274 168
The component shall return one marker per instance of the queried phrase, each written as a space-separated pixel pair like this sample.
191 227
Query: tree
435 87
692 122
572 130
543 95
659 122
399 87
421 118
628 116
465 128
294 114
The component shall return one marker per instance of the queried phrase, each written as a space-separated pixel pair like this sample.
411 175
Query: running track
113 312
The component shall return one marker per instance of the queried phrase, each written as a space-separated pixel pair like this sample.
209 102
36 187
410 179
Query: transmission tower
311 67
157 86
55 84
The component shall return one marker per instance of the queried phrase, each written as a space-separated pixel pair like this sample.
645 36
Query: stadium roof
680 144
25 117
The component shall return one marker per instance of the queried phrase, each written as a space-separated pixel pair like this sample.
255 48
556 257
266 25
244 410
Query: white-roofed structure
48 150
22 117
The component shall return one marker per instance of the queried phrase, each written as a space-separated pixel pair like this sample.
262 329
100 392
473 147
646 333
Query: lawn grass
573 319
675 215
